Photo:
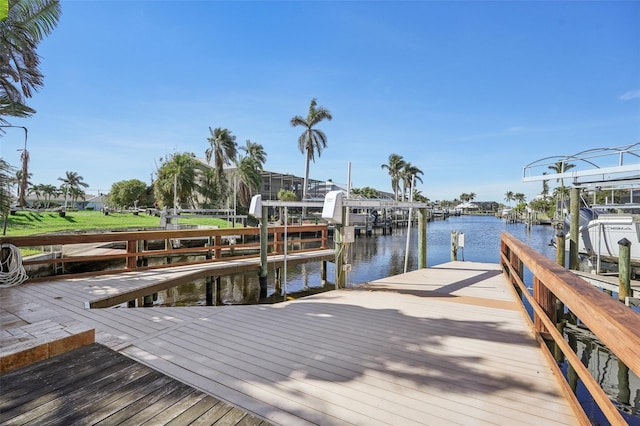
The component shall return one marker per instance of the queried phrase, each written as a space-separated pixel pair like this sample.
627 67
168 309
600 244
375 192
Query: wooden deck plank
444 345
109 388
242 345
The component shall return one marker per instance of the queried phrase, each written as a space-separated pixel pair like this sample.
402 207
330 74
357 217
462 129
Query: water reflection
379 256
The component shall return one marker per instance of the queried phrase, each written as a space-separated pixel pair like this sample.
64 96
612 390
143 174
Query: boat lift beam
601 166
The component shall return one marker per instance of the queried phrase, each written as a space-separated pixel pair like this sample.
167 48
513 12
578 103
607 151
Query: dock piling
624 269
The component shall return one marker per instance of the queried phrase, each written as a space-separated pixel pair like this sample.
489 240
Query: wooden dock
95 385
443 345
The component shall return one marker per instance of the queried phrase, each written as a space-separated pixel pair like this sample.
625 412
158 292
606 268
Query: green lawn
34 223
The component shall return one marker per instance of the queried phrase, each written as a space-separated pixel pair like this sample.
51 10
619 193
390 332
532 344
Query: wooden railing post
132 249
547 301
624 269
325 238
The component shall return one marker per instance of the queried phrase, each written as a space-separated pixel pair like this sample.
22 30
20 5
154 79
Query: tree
249 171
179 168
223 149
409 174
312 140
26 25
394 167
256 152
72 183
560 167
5 191
366 192
508 197
127 193
249 174
519 197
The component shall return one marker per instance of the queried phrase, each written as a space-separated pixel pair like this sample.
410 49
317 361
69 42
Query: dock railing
137 247
615 325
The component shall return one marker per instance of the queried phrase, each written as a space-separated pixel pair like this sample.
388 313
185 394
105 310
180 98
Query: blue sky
469 92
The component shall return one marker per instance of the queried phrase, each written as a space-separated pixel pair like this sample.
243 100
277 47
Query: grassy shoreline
25 223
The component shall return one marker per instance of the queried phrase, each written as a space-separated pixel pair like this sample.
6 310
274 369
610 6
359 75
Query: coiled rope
13 265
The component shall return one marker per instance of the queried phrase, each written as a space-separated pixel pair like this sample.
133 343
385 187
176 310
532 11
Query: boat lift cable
15 273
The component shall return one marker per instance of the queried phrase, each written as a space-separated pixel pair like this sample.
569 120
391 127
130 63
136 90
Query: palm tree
249 171
223 149
70 183
508 197
311 141
27 23
255 151
249 174
472 196
409 174
560 167
394 166
179 169
519 197
48 192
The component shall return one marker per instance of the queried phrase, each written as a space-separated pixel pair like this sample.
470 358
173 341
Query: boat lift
335 209
595 169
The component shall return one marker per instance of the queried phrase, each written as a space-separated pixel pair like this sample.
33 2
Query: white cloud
631 94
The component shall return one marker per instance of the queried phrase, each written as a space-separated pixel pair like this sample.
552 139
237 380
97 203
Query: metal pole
264 236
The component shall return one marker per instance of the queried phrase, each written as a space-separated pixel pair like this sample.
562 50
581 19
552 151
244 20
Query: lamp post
22 202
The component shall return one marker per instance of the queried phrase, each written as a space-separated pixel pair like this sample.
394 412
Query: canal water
381 256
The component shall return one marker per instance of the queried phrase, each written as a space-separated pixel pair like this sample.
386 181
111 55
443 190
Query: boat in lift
601 230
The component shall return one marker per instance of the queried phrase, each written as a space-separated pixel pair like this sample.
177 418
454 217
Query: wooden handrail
135 245
616 325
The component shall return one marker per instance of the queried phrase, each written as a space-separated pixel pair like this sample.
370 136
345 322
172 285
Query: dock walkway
445 345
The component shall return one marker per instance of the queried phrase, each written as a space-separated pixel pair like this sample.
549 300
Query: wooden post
624 390
218 288
5 252
422 238
454 246
209 291
264 239
560 260
574 207
132 249
278 283
560 248
547 302
148 301
323 273
624 269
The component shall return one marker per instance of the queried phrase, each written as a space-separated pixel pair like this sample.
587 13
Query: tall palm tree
560 167
223 149
311 141
409 174
71 182
249 171
26 25
508 197
255 151
394 166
